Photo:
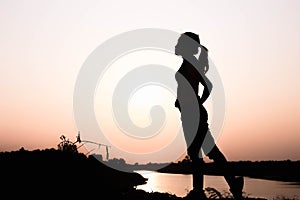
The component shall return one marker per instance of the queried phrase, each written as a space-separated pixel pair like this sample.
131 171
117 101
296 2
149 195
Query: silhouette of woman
194 116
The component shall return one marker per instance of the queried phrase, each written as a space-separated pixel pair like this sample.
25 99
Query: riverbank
51 173
60 174
284 170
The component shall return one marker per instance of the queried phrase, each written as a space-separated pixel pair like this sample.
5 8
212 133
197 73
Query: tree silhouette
66 145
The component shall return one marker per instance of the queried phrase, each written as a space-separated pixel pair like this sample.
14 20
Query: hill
60 174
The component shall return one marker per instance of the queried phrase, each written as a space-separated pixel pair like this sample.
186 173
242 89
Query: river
180 184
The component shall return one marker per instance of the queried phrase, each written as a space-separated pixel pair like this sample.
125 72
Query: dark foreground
50 173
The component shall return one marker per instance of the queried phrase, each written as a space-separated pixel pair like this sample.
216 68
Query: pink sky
255 46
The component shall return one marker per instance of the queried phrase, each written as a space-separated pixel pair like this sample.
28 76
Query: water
180 185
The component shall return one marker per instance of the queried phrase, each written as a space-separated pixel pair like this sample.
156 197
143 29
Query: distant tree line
285 170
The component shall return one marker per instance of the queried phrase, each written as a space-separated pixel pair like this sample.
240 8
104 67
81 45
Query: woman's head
187 44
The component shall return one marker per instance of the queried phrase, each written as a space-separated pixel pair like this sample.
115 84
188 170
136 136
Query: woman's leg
193 141
193 151
213 152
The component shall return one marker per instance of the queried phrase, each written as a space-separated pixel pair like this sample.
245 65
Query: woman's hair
204 47
193 36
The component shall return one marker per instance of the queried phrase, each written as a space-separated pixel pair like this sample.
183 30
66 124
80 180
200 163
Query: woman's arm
207 89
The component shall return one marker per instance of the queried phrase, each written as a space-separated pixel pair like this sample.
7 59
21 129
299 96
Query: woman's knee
216 155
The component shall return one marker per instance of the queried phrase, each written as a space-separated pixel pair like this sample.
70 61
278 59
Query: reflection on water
180 185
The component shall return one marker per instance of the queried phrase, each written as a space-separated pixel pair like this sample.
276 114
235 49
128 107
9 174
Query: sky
254 45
